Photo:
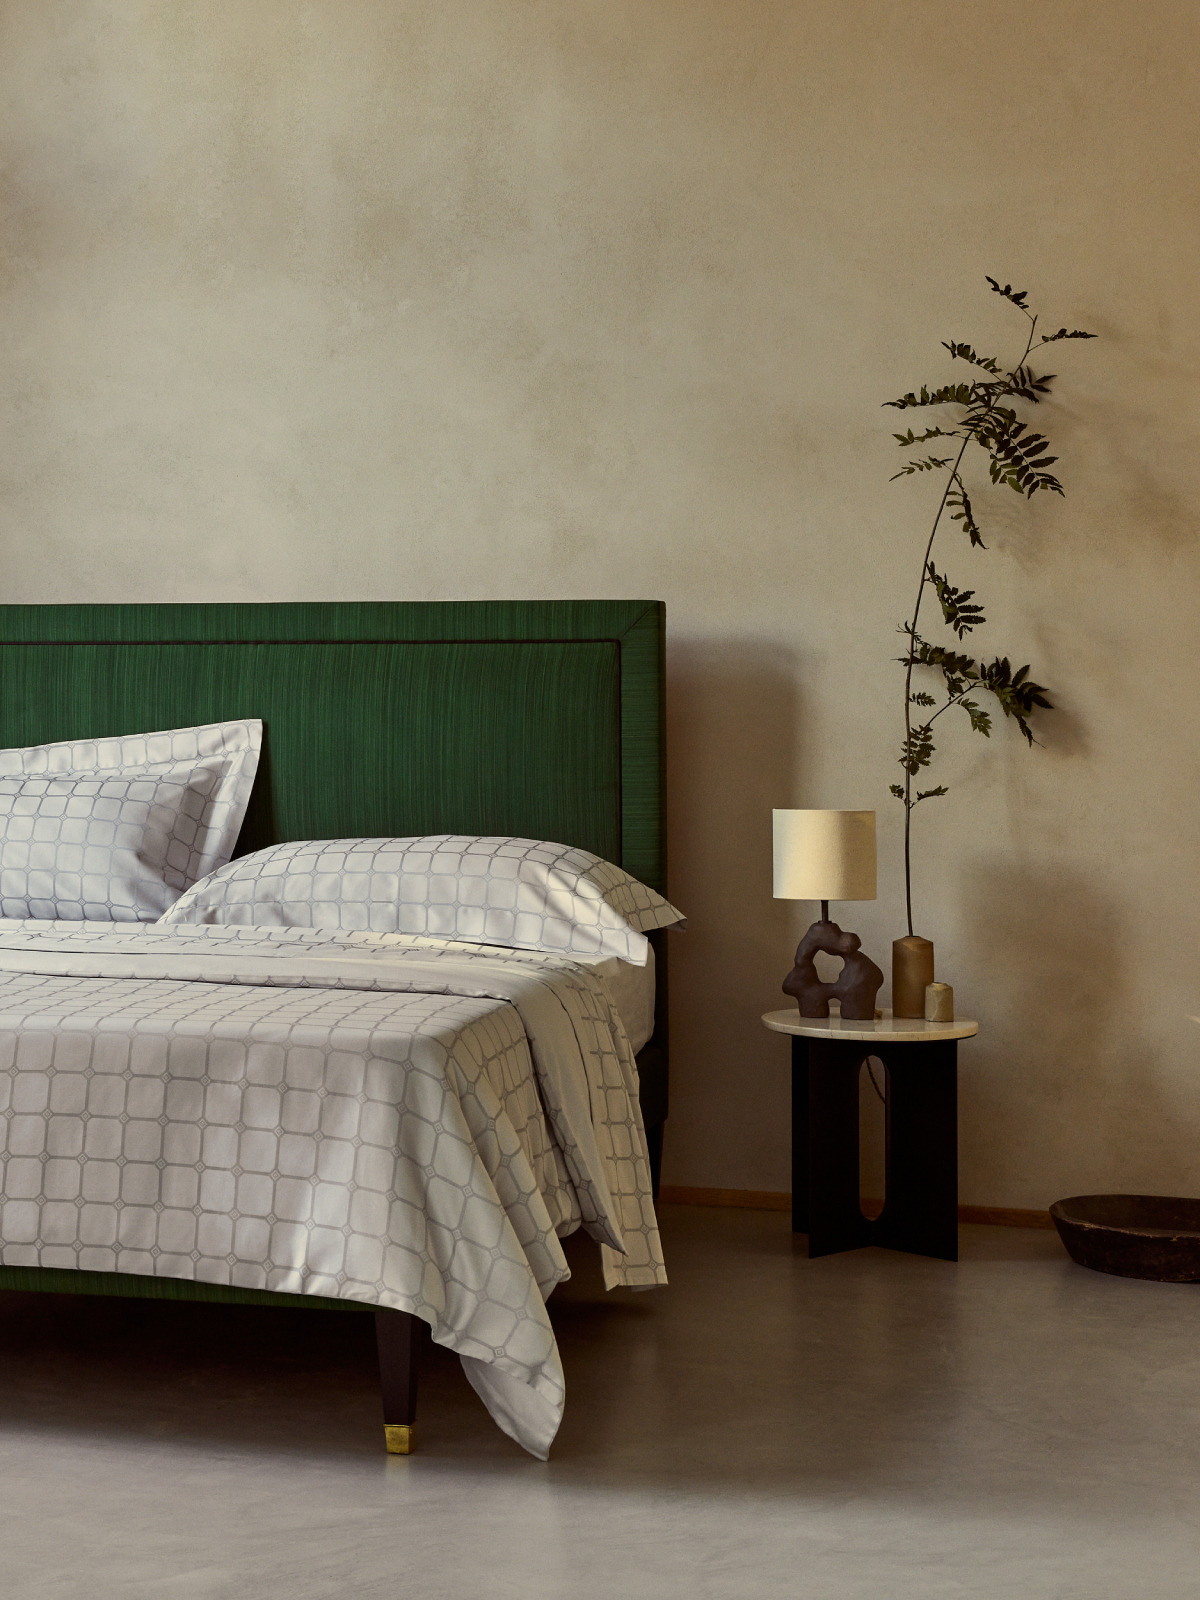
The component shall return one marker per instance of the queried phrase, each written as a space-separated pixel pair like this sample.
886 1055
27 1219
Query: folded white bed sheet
631 990
402 1121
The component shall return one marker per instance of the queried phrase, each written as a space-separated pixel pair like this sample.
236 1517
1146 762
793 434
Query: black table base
920 1211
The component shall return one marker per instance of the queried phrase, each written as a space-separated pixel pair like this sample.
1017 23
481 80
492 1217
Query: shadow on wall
1053 942
736 741
1059 1073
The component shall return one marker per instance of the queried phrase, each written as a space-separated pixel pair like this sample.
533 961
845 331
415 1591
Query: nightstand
920 1212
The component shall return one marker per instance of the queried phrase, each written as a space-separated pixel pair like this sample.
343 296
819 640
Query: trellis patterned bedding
403 1121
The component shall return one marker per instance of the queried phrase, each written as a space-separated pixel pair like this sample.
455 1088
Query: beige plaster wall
368 298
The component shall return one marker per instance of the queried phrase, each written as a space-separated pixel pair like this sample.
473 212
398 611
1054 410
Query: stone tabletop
885 1028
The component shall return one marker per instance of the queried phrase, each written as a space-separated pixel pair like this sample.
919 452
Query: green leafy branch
1017 458
929 464
959 497
1016 693
956 609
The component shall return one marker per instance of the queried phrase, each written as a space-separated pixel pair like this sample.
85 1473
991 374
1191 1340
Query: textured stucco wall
356 298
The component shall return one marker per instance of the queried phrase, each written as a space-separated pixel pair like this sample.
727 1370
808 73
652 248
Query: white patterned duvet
376 1117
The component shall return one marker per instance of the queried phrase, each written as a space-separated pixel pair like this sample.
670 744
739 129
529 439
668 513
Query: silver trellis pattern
291 1110
521 893
116 829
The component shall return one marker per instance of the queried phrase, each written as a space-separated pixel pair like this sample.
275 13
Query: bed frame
541 719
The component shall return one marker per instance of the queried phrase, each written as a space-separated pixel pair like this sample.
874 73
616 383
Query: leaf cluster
1018 297
1016 693
964 352
1075 333
929 464
957 611
946 394
1017 457
959 501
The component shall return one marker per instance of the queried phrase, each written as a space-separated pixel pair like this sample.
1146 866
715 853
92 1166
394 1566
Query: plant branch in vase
1019 459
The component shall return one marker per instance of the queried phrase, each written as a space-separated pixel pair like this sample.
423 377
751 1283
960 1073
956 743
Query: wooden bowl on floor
1132 1235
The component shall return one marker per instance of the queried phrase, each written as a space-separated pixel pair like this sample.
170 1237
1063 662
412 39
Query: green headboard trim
540 718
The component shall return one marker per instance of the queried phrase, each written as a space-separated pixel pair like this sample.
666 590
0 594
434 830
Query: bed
521 720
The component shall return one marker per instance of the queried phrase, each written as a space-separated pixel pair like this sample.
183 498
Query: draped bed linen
406 1122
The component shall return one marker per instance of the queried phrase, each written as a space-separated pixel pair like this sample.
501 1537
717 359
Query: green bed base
137 1286
541 719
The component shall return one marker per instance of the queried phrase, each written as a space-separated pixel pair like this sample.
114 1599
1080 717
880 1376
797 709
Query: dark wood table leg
835 1219
399 1337
799 1135
920 1214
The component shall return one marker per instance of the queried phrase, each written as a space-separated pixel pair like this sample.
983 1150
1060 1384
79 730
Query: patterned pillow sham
114 830
526 894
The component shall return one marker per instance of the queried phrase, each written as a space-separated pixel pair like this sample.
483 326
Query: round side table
920 1059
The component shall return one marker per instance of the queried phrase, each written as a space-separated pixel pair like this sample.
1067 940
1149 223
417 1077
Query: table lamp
828 855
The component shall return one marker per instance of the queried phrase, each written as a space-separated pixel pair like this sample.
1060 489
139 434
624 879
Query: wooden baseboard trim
753 1199
1005 1217
773 1200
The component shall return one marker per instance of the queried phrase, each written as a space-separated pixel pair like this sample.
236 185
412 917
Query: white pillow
114 830
523 893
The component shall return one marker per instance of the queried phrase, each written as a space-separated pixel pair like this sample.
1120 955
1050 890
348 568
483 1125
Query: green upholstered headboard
537 718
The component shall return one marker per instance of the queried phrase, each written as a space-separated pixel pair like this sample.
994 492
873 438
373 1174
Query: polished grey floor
868 1425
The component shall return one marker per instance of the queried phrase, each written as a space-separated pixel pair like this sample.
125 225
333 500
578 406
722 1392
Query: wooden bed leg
398 1336
654 1144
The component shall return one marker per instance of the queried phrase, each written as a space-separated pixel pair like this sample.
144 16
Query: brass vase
912 969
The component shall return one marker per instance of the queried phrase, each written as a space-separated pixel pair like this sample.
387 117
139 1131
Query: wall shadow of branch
735 749
1059 1071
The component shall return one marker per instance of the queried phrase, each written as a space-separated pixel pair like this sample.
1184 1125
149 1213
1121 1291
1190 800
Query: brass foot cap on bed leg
399 1436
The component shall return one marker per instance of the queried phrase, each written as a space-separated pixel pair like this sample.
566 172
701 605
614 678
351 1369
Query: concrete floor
868 1425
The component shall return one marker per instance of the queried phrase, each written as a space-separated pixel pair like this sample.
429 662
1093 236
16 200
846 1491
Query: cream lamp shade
824 855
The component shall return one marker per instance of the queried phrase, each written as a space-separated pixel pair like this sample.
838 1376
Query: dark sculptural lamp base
856 985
